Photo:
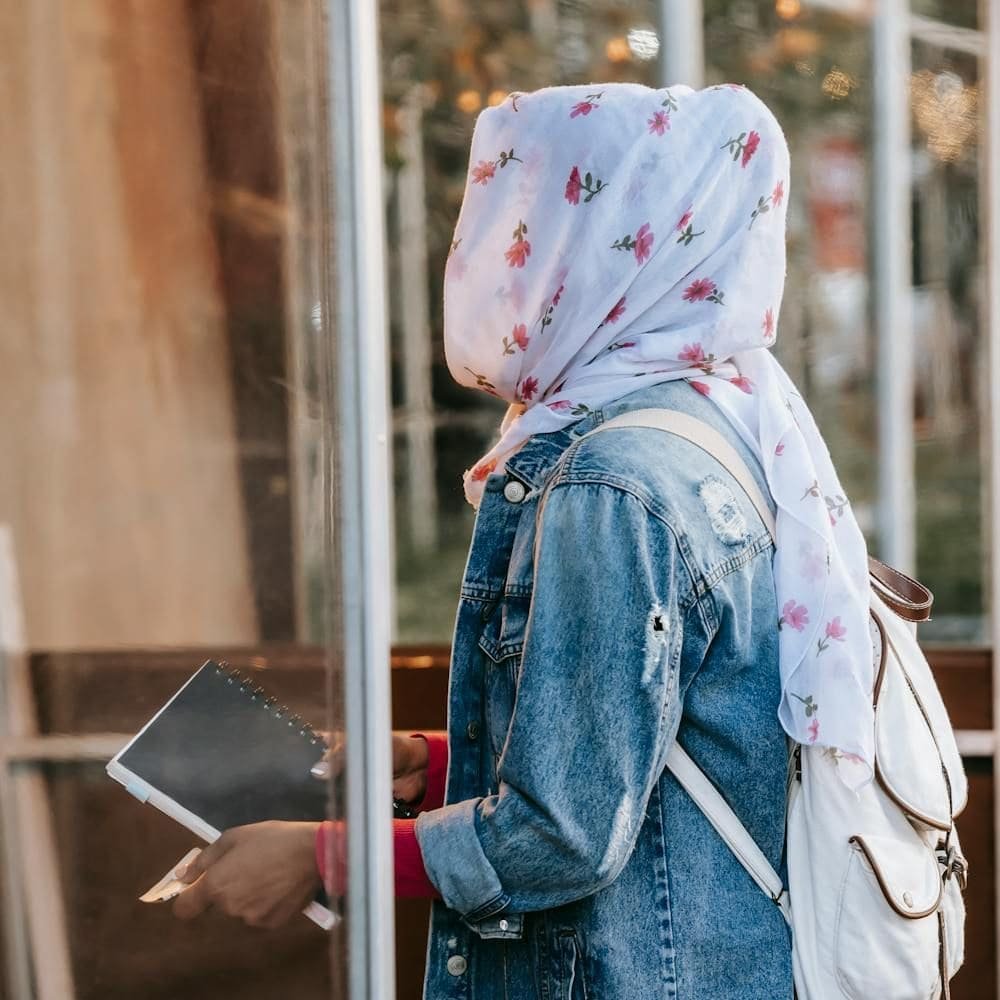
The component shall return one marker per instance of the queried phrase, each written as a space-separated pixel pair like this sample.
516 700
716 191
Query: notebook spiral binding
247 686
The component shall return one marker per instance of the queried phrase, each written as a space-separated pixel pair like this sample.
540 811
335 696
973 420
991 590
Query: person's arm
410 875
437 770
596 712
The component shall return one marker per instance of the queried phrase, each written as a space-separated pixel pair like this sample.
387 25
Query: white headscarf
613 237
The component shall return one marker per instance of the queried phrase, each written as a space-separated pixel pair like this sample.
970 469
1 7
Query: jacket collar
533 461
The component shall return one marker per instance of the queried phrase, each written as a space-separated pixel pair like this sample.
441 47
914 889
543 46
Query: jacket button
514 491
457 965
472 730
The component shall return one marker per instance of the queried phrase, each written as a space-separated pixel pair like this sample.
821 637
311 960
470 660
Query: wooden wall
117 426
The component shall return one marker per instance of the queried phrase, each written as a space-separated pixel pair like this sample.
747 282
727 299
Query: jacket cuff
455 862
437 770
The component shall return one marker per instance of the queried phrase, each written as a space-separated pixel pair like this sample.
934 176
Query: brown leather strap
906 597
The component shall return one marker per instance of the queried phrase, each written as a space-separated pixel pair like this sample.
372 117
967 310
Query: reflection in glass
163 433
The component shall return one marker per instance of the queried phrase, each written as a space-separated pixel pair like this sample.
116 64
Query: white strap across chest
694 781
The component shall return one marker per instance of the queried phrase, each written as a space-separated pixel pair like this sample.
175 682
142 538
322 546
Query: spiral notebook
221 753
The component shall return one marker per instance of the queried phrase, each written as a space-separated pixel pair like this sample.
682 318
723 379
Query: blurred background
172 426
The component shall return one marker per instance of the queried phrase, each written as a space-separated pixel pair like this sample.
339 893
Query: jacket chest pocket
502 642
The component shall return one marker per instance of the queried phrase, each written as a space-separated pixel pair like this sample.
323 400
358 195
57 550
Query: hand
409 763
263 873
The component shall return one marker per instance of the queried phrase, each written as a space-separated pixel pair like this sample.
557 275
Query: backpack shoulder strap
703 436
727 824
691 778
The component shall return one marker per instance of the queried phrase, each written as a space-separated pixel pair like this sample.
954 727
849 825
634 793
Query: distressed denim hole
724 513
657 641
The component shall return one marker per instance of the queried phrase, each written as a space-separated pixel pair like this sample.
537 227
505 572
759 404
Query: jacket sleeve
596 711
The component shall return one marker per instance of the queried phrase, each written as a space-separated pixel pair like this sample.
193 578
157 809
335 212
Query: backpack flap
916 758
906 872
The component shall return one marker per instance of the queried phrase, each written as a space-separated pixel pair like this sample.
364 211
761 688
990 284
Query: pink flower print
701 387
643 243
698 290
640 246
589 183
794 615
585 106
779 449
483 172
834 631
617 311
814 563
768 324
558 295
520 249
573 186
742 144
778 194
693 353
519 337
529 387
559 405
659 123
743 384
481 471
684 219
813 729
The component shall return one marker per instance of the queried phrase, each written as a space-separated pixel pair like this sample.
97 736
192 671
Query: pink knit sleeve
437 769
411 879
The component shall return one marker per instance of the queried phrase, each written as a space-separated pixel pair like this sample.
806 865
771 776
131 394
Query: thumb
207 857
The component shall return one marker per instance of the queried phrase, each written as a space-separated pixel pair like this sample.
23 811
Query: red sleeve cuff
411 879
437 770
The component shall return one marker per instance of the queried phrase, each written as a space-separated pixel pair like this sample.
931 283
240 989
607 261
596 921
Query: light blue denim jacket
619 597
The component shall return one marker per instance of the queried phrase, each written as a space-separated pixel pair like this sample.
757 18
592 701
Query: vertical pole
990 73
421 498
892 282
360 518
682 44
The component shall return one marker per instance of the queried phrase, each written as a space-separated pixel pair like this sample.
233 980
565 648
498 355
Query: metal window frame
991 318
358 492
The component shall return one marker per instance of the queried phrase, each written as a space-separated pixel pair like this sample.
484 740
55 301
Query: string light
617 50
787 10
469 101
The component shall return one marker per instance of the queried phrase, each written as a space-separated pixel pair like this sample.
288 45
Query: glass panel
812 67
960 13
166 422
434 82
950 342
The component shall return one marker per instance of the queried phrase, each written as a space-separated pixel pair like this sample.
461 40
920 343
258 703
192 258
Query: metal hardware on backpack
875 878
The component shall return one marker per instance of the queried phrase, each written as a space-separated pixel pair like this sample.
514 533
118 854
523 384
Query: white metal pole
892 282
990 71
362 486
418 403
682 44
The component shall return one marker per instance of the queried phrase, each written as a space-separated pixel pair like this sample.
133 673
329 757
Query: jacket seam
695 593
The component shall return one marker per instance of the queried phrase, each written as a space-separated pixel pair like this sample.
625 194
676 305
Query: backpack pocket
887 929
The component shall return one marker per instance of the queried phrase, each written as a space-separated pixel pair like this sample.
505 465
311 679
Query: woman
621 248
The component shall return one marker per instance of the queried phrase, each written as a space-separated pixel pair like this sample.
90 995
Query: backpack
875 878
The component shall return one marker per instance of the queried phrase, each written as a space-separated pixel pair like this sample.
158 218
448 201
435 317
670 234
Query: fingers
208 856
192 902
332 762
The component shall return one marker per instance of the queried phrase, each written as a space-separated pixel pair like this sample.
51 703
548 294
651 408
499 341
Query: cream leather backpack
875 879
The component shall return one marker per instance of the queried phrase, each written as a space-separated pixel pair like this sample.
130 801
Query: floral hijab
612 237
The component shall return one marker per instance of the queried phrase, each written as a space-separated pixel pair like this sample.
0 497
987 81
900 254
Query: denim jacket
618 595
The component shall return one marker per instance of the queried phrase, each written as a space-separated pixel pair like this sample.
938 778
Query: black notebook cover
226 752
